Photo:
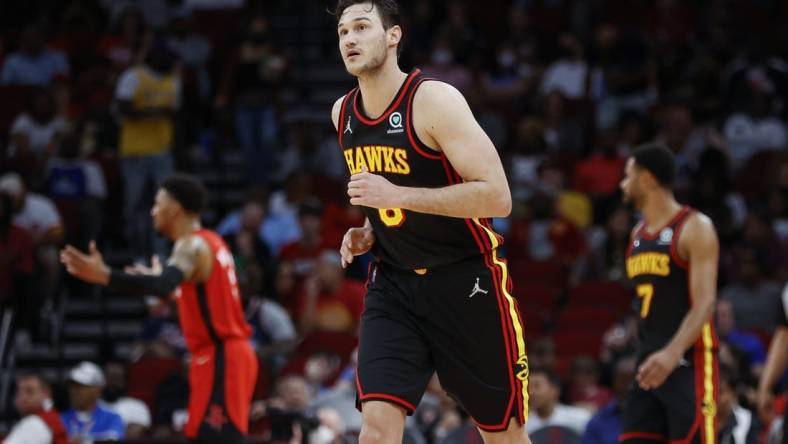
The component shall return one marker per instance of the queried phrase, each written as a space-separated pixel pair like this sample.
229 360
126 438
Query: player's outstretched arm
443 119
91 268
698 242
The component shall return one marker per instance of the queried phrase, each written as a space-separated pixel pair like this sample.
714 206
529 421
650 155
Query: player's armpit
189 256
335 110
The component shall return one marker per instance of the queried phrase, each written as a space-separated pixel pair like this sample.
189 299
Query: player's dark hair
387 9
552 376
657 160
187 190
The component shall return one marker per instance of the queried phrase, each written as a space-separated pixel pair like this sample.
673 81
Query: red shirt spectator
599 174
329 301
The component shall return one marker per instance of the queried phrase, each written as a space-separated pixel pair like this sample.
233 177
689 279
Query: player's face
163 211
629 184
363 41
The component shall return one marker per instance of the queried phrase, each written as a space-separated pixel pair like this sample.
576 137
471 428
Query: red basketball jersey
211 311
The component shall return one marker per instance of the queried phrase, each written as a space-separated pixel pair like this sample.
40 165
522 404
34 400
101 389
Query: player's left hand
87 267
372 190
656 369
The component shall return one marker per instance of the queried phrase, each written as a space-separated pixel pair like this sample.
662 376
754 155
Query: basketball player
439 297
672 263
201 276
775 366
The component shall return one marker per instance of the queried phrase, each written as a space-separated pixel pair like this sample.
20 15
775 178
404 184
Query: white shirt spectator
38 134
747 136
569 78
275 321
131 410
38 216
30 430
573 418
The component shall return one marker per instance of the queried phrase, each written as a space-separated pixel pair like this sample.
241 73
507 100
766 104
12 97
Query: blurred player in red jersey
200 274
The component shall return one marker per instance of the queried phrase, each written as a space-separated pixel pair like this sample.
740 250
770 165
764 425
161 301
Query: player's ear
394 34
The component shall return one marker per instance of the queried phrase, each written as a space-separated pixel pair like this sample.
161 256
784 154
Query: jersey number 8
392 217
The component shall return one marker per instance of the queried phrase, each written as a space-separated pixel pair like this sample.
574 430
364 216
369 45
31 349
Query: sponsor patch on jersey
665 236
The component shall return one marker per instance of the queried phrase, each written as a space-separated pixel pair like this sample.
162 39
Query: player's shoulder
699 221
192 243
699 230
336 109
436 91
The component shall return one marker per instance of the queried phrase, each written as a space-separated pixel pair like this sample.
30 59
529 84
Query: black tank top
661 281
390 147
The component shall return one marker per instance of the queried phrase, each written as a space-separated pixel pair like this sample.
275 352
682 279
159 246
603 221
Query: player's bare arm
444 120
699 244
186 263
776 361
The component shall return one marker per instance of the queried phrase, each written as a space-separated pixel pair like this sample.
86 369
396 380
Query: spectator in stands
563 132
135 414
251 80
608 245
584 388
161 334
77 186
122 45
754 297
444 66
40 423
36 214
605 426
544 389
87 420
147 97
746 343
330 301
33 64
16 256
248 248
569 75
35 135
758 127
274 332
737 425
281 227
304 252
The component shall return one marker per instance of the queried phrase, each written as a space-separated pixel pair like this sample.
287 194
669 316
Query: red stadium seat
609 294
590 320
146 374
572 343
550 273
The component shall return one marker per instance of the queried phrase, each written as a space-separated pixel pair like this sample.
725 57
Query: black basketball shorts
458 320
683 409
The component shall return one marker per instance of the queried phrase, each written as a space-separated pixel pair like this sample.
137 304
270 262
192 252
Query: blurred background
239 92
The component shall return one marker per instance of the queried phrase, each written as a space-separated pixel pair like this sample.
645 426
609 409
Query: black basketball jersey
661 283
390 147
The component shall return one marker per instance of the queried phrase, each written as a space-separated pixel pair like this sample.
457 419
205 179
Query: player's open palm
356 242
154 269
656 369
88 267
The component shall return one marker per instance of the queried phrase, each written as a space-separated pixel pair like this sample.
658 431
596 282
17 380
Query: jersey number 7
646 292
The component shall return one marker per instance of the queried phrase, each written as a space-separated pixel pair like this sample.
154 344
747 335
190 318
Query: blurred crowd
103 99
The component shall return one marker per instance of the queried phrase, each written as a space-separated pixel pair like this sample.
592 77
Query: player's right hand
356 241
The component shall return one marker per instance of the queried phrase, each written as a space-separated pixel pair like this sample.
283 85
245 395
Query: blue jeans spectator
138 172
256 128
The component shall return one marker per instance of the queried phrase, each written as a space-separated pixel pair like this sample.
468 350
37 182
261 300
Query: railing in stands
7 357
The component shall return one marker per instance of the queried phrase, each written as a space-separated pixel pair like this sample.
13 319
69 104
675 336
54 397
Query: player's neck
184 227
658 209
378 88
